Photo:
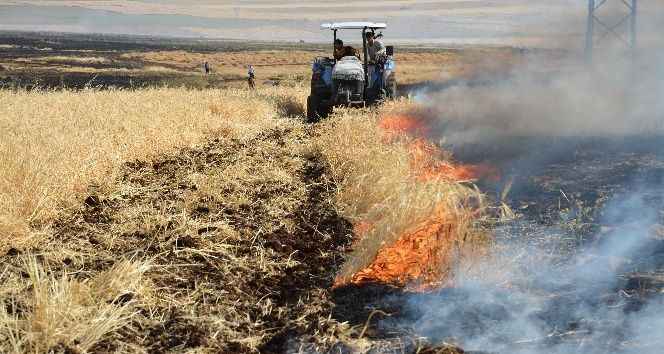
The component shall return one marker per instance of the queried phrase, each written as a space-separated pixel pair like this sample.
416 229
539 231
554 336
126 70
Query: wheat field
56 144
111 200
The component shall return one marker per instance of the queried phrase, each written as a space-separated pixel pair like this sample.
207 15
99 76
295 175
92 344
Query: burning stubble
535 293
421 253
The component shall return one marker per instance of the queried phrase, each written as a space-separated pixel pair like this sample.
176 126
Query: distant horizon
517 23
441 22
409 43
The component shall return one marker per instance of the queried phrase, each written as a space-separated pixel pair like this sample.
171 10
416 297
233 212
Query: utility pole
590 30
599 29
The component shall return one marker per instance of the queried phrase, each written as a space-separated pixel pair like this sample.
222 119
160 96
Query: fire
423 254
398 125
428 161
420 255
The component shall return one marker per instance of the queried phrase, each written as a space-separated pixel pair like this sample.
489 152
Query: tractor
350 81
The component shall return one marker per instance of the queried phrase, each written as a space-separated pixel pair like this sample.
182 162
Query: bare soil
224 271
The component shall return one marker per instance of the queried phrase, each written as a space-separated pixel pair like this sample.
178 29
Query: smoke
545 290
553 104
555 93
525 299
606 99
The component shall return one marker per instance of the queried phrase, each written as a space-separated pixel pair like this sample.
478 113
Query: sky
515 22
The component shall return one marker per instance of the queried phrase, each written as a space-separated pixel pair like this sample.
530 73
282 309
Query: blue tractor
350 81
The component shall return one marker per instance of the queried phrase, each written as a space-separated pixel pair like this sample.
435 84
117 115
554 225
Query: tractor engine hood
348 68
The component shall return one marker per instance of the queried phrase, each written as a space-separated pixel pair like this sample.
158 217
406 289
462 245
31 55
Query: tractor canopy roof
352 25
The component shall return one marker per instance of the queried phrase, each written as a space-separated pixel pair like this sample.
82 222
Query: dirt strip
242 238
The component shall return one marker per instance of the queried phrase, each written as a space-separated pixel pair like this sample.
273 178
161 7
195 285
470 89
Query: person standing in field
252 77
206 68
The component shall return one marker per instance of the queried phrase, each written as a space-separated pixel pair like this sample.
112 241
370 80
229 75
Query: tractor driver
341 51
376 53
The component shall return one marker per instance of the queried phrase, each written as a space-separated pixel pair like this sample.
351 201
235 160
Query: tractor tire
324 111
315 110
391 90
312 109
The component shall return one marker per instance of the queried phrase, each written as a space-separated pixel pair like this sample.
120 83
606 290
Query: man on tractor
341 51
376 58
375 47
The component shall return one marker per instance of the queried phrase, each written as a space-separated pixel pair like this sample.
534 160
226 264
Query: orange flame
422 255
428 161
398 125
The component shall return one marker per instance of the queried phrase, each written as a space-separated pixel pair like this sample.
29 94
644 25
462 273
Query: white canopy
352 25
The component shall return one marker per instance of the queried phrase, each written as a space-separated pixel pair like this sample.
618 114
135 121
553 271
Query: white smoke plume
556 93
530 296
525 299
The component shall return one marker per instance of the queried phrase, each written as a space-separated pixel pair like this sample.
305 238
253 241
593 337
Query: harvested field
217 224
183 220
57 143
230 245
229 237
78 61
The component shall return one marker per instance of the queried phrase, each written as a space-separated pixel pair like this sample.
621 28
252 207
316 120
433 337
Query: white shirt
376 48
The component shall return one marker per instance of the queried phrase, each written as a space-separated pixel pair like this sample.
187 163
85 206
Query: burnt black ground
561 190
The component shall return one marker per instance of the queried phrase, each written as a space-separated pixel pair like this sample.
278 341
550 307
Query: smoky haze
557 100
537 295
535 302
548 95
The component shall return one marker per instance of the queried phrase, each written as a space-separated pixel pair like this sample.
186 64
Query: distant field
541 23
76 61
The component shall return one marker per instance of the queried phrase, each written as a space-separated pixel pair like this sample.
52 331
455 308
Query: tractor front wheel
316 110
312 109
